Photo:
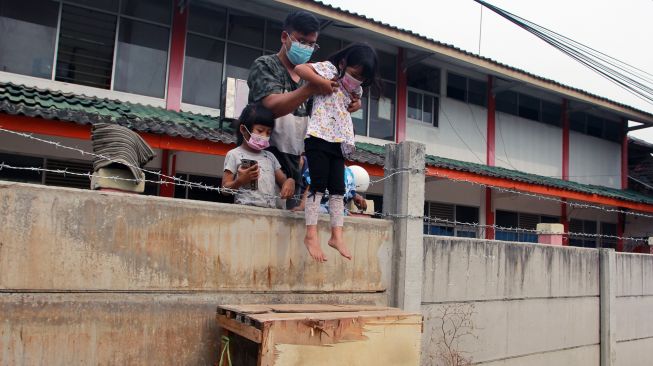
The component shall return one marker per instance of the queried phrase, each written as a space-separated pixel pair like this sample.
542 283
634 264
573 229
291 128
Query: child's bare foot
312 242
338 243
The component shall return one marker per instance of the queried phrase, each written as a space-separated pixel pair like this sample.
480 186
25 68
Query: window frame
467 89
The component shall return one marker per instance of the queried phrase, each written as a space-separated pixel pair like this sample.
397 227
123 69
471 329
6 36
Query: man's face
309 39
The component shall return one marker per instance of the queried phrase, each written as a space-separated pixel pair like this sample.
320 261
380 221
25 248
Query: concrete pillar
403 200
550 234
608 287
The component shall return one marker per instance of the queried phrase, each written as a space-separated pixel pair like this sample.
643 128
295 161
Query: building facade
506 149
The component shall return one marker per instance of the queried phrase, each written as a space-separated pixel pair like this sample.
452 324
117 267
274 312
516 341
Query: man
273 81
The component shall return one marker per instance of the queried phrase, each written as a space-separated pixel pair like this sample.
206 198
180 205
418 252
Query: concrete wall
527 304
594 161
528 146
461 134
107 278
634 309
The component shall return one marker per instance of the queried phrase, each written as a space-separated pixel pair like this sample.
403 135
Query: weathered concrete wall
514 304
106 278
634 309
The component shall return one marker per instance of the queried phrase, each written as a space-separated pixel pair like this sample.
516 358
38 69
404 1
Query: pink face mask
350 83
257 142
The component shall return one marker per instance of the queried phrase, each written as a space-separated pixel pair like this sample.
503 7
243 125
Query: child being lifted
330 136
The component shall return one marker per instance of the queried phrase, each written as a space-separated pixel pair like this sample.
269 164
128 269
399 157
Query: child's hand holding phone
248 173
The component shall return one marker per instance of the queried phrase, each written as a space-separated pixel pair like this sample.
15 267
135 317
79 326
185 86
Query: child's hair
359 54
302 22
253 114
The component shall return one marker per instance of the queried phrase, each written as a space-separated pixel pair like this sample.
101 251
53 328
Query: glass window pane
382 114
159 11
507 219
359 118
246 29
239 59
529 107
31 24
466 214
551 113
204 194
328 46
456 87
273 36
24 176
613 131
594 126
203 71
424 77
414 105
577 121
427 109
209 20
110 5
477 92
86 42
507 102
387 65
142 58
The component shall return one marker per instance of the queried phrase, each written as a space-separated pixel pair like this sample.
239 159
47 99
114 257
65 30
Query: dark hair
359 54
302 22
253 114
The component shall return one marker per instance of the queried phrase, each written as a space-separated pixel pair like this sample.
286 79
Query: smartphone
248 163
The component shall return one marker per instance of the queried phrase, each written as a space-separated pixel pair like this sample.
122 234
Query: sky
621 29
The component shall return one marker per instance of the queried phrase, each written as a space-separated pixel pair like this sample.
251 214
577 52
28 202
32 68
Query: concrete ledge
125 329
68 239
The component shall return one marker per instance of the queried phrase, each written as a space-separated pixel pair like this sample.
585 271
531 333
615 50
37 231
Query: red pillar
490 152
168 167
564 219
402 95
176 64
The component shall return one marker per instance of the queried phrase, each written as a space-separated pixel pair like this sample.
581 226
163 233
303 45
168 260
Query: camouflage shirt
268 76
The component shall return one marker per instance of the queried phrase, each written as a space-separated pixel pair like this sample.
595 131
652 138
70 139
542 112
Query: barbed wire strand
393 172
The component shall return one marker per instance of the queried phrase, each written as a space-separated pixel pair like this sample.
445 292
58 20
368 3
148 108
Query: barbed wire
426 219
186 183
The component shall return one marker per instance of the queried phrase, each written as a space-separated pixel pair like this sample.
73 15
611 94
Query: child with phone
249 168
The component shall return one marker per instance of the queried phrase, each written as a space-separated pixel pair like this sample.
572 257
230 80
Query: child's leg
336 203
318 171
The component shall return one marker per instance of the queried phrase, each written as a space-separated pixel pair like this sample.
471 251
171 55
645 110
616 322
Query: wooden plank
246 309
245 331
271 317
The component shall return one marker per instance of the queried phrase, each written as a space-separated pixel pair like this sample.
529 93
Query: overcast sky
622 29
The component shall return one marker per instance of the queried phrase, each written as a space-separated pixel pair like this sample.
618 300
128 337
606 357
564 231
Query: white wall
594 161
528 146
461 134
446 191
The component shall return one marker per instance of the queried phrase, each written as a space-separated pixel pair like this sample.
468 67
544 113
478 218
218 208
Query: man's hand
354 105
324 87
288 188
246 175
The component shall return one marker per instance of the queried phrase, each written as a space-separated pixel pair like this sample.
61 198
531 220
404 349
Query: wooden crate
311 334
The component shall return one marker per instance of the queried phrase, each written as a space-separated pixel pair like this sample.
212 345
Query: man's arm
285 103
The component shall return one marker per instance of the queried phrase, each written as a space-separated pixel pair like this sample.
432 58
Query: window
526 106
100 44
382 113
142 58
199 194
458 214
424 87
466 90
584 227
203 71
28 30
608 229
596 126
519 220
328 46
23 176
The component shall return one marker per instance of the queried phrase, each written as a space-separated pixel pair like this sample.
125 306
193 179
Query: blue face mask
299 53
